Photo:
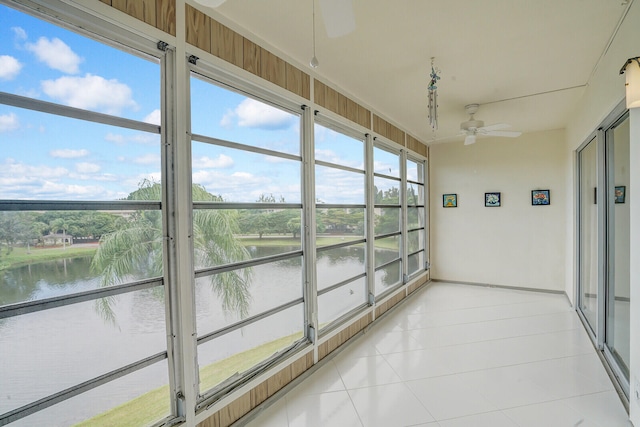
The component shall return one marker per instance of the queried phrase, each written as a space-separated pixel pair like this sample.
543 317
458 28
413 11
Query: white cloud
67 153
86 167
147 159
115 138
220 162
254 114
9 67
139 138
9 122
19 33
91 92
56 54
153 117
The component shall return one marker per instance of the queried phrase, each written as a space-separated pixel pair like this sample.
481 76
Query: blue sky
54 158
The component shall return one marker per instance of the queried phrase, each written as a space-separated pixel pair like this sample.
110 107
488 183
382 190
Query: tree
136 247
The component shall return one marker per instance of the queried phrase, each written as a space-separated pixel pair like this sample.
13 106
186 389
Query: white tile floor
461 356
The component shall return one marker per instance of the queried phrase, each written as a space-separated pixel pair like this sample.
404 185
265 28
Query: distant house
57 239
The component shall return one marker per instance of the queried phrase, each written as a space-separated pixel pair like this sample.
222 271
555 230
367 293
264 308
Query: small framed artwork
620 193
492 200
540 197
449 200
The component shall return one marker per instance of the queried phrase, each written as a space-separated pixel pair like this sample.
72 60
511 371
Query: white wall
516 244
605 90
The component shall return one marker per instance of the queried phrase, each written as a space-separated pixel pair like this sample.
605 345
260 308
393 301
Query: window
416 216
81 251
246 172
340 217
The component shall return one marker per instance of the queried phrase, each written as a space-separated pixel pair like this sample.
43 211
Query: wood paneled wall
157 13
415 145
386 129
211 36
343 336
336 102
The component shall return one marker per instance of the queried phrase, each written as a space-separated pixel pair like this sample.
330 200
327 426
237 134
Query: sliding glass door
603 240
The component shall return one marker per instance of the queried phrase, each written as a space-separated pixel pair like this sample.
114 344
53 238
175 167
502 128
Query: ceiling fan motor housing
471 125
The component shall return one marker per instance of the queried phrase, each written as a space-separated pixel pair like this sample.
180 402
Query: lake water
45 352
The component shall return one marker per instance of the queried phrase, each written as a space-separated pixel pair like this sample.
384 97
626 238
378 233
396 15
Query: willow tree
136 248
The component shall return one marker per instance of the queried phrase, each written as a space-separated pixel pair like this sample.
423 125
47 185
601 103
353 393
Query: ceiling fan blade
470 139
210 3
497 126
508 134
339 19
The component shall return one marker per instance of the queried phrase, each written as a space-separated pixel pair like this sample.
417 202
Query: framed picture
620 193
540 197
492 200
449 200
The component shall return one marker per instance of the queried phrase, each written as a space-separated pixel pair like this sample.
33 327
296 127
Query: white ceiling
526 62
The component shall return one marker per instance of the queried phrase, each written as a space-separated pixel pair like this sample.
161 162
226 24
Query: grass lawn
19 256
154 405
289 241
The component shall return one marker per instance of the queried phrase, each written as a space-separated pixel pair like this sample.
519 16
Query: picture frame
450 200
619 195
540 197
492 200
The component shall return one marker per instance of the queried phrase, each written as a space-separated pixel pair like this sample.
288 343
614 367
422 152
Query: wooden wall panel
235 410
166 16
388 130
417 146
364 117
198 28
272 68
227 44
259 394
279 380
319 93
251 57
297 81
212 421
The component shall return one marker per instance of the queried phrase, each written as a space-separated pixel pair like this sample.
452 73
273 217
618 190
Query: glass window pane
386 249
230 116
415 194
225 298
339 186
337 148
416 263
57 65
340 301
48 351
53 253
241 176
387 220
415 171
339 264
337 225
49 157
242 349
387 191
415 240
144 393
415 218
226 236
388 277
386 163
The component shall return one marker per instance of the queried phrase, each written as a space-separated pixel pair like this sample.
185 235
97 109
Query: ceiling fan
472 127
339 19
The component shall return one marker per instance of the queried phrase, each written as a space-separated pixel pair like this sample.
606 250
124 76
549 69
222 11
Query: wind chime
433 96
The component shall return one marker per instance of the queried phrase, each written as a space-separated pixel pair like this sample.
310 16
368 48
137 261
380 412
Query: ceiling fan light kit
631 70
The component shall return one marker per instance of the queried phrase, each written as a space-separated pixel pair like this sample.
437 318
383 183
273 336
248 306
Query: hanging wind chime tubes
433 97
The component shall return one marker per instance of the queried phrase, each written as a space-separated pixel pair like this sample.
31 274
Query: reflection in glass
241 349
588 233
415 262
386 249
387 220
